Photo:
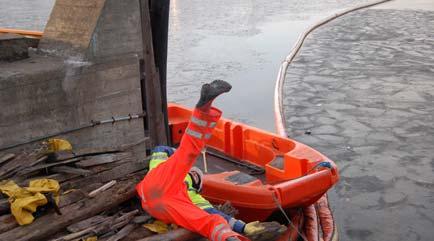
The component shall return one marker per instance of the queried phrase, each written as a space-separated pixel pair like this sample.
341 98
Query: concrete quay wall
86 67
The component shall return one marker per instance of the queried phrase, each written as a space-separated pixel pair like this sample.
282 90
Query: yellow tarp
24 201
157 227
54 145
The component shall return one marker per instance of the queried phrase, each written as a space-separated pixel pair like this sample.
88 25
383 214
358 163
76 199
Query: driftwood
47 225
102 159
104 187
82 225
77 227
123 232
4 206
141 219
96 151
179 234
28 170
138 233
7 157
7 222
71 170
99 225
72 197
75 235
61 156
22 160
118 172
97 183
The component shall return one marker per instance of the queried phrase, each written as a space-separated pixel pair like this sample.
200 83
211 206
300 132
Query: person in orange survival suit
163 191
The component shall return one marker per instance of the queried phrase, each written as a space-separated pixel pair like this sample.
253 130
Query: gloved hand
253 228
167 149
263 231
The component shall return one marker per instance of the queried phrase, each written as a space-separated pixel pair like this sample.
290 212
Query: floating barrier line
26 33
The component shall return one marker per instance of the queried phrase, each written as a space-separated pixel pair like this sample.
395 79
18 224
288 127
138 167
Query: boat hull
289 178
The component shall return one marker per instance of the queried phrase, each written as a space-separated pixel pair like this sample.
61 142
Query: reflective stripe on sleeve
160 155
207 136
216 231
223 231
212 124
198 122
193 133
142 195
232 222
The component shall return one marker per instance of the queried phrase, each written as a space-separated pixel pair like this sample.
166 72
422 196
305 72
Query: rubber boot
210 91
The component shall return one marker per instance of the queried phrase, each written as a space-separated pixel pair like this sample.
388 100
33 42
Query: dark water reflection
242 42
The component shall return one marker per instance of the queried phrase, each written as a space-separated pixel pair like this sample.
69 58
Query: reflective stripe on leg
198 121
193 133
223 232
232 222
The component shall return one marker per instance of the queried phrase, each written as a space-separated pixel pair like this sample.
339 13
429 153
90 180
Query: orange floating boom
26 33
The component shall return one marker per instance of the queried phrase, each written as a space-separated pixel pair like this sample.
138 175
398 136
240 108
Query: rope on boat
276 201
278 101
92 123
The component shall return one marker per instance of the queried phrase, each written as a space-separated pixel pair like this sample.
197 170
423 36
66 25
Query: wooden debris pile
97 195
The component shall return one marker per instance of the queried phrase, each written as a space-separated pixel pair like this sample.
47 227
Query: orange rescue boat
257 170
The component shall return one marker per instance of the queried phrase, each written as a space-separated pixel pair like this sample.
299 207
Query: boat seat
277 162
240 178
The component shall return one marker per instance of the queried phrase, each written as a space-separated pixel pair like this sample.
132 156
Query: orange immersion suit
163 192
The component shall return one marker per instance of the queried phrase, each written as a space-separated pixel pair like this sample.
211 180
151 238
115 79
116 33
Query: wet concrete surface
363 86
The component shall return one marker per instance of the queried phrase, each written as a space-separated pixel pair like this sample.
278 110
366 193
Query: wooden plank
104 187
96 151
141 219
4 206
154 108
75 235
45 226
22 160
71 197
102 159
138 233
61 156
179 234
116 173
123 232
7 157
82 225
71 170
44 166
159 13
7 222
